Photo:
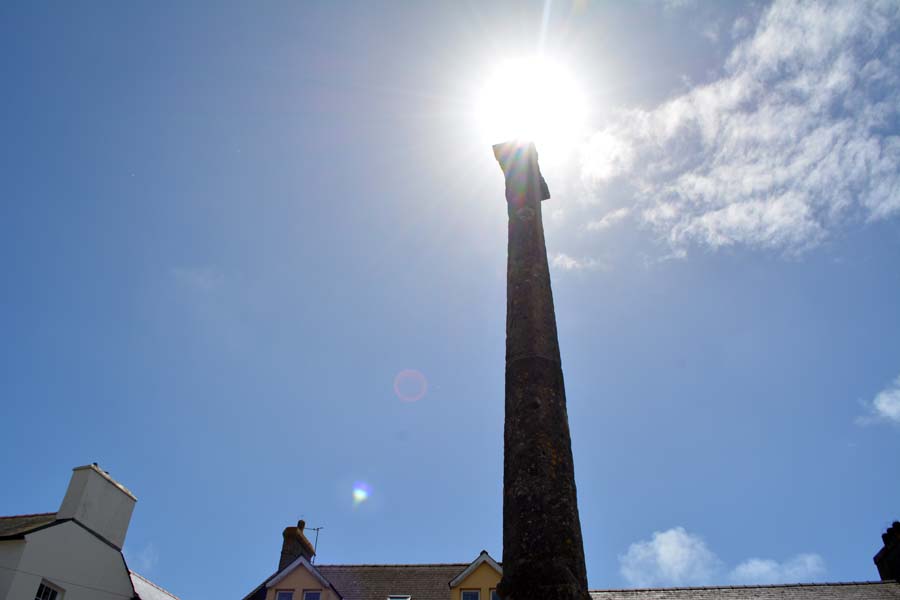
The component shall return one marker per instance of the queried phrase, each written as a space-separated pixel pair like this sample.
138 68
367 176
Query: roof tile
377 582
19 524
876 590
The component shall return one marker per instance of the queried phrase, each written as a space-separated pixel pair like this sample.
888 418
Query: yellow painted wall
298 581
483 578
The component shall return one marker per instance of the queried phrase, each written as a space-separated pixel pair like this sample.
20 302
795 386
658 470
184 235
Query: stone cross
543 553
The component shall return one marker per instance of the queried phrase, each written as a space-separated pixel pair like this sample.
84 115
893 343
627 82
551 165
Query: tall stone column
543 553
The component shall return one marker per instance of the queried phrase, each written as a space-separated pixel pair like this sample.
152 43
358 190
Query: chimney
100 503
295 545
888 558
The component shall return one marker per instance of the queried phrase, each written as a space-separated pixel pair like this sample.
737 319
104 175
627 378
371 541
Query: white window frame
462 594
493 593
399 597
46 584
278 594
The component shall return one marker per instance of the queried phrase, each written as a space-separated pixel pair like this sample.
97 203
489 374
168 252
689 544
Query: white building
76 552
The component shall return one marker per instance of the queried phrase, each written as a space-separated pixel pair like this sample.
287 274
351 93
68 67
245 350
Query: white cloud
677 558
673 557
568 263
803 568
796 138
608 220
885 407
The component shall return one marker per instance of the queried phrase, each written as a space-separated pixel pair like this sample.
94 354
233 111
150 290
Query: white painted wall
10 552
71 558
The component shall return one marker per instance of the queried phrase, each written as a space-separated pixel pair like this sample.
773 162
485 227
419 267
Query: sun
531 99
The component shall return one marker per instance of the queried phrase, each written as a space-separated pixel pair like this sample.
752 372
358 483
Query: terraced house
297 578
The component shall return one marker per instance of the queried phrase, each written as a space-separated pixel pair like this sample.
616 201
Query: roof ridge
46 514
740 587
159 587
394 565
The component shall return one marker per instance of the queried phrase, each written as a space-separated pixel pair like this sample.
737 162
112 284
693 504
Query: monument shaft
543 553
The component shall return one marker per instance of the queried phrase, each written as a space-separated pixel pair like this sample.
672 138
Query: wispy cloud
144 560
214 301
885 407
608 220
568 263
197 279
674 5
799 569
711 31
797 137
676 557
740 27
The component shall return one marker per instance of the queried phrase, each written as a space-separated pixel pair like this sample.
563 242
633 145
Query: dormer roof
483 559
301 561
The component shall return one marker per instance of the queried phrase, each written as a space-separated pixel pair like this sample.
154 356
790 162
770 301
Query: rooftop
867 590
20 524
431 582
147 590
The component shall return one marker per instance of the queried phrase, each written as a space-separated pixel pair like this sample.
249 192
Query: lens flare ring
410 385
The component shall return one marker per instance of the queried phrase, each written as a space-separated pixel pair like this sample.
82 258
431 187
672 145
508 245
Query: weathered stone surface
543 553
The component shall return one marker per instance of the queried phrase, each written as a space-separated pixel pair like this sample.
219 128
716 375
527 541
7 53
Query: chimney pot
888 558
301 525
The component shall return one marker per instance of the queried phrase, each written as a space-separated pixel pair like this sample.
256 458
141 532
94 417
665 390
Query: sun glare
533 99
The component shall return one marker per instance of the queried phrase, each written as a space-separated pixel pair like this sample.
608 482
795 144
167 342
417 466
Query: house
76 552
297 578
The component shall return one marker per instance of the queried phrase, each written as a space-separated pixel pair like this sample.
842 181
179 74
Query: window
47 592
398 597
312 595
471 595
495 595
284 595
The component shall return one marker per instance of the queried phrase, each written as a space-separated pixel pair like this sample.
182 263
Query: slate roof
21 524
875 590
377 582
147 590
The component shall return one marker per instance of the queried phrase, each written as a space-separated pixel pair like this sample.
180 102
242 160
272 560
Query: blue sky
227 228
